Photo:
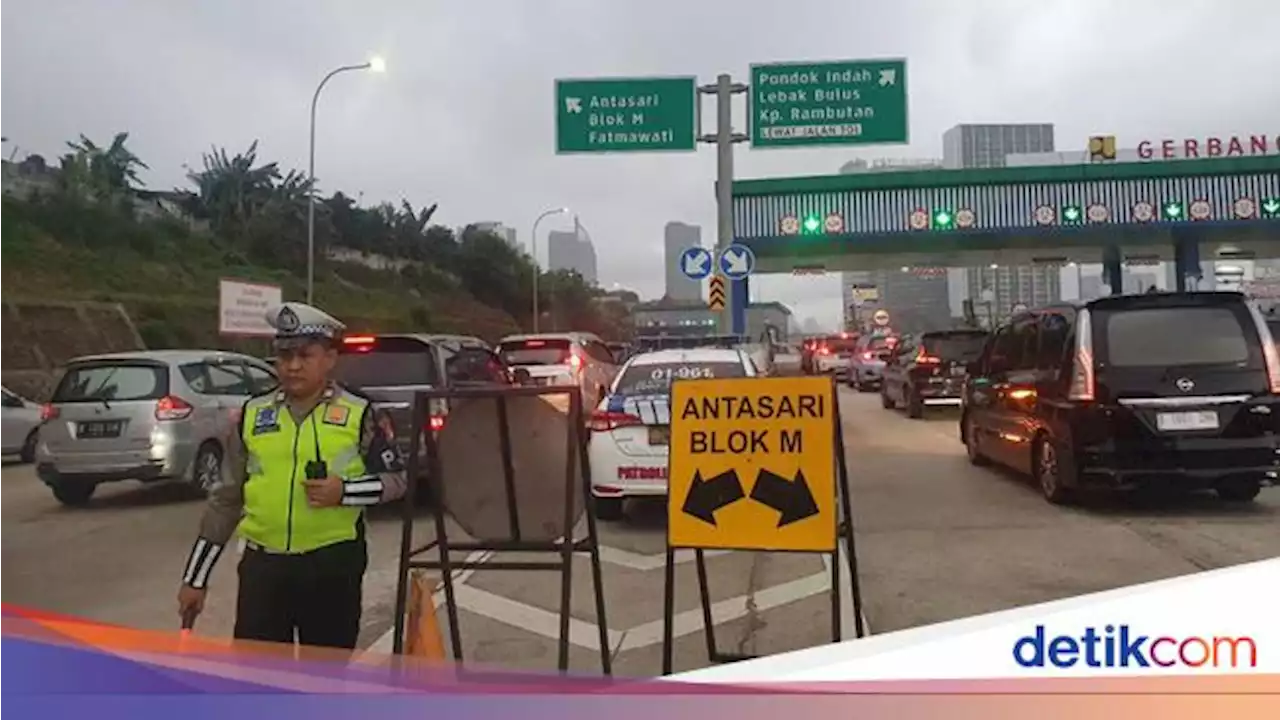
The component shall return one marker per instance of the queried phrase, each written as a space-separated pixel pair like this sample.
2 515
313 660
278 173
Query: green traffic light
1072 214
1271 207
1173 210
943 219
812 224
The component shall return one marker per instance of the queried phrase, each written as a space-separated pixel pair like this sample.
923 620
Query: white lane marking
384 644
636 561
584 634
533 619
690 621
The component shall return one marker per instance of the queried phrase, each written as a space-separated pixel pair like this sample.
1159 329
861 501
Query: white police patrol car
631 428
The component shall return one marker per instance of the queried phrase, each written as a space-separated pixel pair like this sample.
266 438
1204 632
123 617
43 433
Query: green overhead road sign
852 102
626 115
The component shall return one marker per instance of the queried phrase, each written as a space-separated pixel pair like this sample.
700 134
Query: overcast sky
463 115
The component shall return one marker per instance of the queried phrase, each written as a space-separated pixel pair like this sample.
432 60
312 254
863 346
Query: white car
833 355
21 426
580 359
631 428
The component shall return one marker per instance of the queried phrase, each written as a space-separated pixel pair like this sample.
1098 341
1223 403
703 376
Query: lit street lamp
537 270
375 64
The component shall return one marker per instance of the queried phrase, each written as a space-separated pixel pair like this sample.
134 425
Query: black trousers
313 598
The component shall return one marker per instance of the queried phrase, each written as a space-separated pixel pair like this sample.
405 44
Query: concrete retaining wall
40 336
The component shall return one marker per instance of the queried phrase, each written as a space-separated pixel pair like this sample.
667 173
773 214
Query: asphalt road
936 539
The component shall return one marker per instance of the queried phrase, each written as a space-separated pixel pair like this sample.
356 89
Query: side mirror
521 376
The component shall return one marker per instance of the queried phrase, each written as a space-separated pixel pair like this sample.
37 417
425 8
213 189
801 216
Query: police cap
299 323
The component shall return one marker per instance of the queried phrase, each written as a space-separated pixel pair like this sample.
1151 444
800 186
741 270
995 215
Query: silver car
150 416
21 426
866 365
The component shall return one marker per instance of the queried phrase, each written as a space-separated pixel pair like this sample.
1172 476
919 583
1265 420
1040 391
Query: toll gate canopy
1105 213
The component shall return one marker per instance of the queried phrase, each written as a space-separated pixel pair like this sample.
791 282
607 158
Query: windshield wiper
99 393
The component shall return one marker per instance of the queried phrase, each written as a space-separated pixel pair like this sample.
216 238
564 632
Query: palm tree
96 172
114 168
231 190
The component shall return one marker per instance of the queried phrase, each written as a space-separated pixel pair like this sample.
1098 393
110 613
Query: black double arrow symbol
792 499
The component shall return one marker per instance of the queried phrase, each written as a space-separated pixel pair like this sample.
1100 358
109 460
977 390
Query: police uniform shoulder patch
337 415
266 420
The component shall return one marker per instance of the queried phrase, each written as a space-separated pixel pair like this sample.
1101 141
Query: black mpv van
1165 390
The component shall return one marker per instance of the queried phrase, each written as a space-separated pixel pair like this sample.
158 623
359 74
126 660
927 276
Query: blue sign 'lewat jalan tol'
695 263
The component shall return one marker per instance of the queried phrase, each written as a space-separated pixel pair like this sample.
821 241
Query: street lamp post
376 64
537 269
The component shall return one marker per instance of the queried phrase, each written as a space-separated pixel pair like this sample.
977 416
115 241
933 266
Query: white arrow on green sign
1271 207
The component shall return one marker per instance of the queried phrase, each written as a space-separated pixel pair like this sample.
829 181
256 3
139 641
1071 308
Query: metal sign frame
844 531
565 548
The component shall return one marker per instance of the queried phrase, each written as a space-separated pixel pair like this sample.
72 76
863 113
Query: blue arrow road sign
737 261
695 263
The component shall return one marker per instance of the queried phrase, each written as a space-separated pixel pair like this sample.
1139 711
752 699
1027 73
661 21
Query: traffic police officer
309 457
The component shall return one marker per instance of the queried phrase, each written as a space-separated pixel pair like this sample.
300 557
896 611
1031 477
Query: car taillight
926 359
868 356
48 411
1082 379
1270 355
575 362
171 407
605 420
435 423
824 351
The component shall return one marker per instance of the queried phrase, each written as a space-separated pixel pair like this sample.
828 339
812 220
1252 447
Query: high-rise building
572 251
676 238
989 146
915 301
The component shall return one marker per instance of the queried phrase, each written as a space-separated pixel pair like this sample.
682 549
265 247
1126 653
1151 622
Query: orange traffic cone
424 639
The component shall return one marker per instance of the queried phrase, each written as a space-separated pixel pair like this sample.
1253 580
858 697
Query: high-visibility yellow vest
276 513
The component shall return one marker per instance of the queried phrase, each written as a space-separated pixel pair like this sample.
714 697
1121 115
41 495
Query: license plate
98 430
1196 420
660 435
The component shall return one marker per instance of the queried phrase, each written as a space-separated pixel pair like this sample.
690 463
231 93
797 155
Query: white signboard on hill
242 307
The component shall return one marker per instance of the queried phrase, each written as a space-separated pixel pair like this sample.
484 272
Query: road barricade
511 469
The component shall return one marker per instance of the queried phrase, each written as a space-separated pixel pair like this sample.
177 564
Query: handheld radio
316 469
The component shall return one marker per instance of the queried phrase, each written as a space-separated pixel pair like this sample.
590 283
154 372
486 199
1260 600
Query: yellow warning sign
752 464
716 295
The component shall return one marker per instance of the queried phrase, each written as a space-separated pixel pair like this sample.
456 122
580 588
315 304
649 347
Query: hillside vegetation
83 231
